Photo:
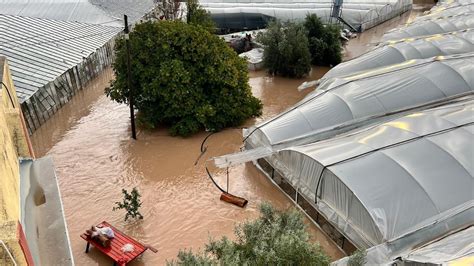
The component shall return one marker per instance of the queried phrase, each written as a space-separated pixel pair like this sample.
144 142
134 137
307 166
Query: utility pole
129 86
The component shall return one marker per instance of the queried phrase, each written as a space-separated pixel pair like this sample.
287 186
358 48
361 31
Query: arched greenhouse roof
447 10
432 26
364 95
383 182
245 14
395 52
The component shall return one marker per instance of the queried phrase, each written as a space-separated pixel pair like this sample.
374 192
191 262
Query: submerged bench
114 251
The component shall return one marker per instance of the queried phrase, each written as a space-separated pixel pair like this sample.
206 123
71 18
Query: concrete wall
13 143
49 98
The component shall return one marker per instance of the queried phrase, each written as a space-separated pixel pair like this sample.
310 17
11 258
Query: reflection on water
89 140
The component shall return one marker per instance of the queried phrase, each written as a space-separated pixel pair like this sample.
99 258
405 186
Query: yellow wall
13 143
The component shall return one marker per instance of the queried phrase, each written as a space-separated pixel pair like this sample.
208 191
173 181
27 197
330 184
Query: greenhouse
396 52
447 10
427 176
366 97
361 14
432 26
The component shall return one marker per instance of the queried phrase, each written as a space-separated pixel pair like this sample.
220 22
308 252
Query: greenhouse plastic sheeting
417 152
447 10
406 49
255 14
431 26
104 12
377 92
448 249
40 219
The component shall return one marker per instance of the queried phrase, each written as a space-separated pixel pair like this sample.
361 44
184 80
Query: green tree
324 43
131 203
286 49
275 238
185 77
196 15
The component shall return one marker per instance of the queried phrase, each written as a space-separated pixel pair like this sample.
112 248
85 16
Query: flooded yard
89 140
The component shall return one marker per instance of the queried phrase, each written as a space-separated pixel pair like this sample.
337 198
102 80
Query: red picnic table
114 251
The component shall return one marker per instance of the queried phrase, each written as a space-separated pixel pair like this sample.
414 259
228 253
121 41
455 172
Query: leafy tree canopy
196 15
324 42
276 238
183 76
286 49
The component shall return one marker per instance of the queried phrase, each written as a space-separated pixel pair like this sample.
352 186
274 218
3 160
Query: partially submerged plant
131 203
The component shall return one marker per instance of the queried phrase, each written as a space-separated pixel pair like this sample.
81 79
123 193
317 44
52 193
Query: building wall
13 141
49 98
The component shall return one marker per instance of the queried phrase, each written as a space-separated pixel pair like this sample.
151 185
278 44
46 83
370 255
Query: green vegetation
196 15
324 42
286 49
184 77
291 48
131 203
275 238
357 258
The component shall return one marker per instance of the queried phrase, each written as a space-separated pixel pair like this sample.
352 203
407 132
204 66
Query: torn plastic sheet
450 248
242 157
308 84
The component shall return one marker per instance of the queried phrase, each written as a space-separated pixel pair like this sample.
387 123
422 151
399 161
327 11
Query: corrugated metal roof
39 50
107 12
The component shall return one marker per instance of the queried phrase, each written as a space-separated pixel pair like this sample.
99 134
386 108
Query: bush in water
275 238
185 77
324 43
286 49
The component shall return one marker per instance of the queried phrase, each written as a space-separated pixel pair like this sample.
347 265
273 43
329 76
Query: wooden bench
115 250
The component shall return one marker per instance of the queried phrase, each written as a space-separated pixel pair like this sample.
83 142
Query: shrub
276 238
185 77
324 43
286 49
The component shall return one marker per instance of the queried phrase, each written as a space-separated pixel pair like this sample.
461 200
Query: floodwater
89 140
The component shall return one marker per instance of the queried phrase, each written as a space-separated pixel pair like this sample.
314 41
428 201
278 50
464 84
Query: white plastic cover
447 10
448 249
431 26
396 52
389 180
376 92
363 13
42 213
104 12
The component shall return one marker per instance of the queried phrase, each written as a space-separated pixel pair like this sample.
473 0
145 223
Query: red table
115 250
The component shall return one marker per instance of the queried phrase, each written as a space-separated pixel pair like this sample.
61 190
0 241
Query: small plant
358 258
131 203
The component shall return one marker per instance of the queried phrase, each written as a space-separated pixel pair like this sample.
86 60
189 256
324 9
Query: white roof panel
39 50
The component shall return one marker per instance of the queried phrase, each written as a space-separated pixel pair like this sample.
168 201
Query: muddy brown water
89 141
